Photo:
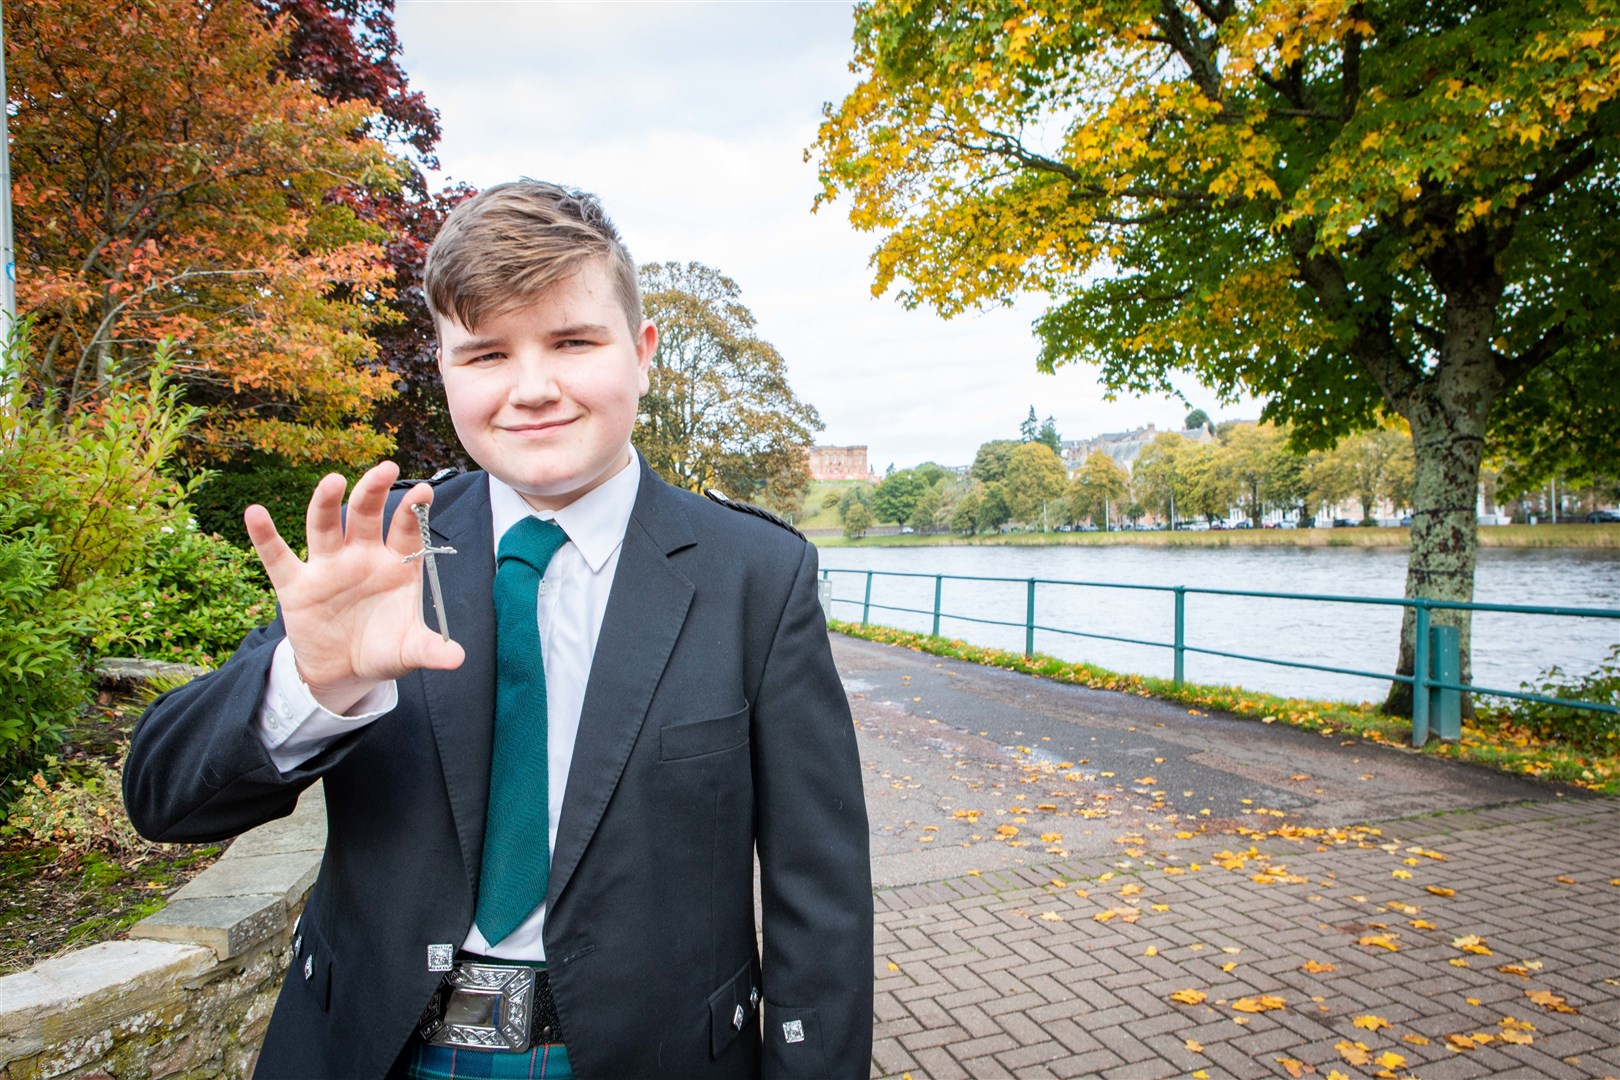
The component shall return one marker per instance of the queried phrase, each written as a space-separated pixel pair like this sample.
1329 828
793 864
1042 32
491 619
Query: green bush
279 487
40 662
85 491
1581 729
191 600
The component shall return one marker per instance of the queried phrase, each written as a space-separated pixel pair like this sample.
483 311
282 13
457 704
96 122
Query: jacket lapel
645 611
461 703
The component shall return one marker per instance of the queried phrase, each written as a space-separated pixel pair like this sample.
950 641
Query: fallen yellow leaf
1423 924
1415 1039
1551 1001
1389 1059
1051 916
1461 1042
1151 950
1295 1067
1051 837
1382 941
1006 830
1471 943
893 966
1357 1053
1370 1023
1130 888
1402 874
1440 890
1189 997
1263 1003
1316 967
1194 1045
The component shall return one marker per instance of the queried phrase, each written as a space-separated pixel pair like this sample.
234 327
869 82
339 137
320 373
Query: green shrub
85 491
279 487
191 600
1582 729
41 664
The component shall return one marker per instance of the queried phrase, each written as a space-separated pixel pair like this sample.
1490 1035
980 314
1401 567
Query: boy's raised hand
353 611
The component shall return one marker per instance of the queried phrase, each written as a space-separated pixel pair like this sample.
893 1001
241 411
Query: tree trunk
1447 411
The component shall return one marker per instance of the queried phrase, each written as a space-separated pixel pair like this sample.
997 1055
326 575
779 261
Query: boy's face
545 396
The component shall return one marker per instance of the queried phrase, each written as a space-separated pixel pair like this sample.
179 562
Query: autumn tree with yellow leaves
1348 207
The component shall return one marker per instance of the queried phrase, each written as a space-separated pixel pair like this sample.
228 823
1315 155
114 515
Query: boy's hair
502 248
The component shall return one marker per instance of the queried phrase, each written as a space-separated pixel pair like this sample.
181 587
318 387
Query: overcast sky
690 120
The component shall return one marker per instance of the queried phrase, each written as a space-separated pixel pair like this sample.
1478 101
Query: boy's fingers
323 522
366 503
278 559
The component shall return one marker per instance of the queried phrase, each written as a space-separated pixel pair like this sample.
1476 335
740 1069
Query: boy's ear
646 346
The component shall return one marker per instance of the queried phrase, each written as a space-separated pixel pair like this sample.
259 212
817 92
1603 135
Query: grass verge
1491 740
1503 536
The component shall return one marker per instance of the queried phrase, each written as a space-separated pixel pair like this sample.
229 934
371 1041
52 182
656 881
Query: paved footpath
1076 883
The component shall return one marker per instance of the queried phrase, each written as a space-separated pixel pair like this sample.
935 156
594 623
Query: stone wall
189 995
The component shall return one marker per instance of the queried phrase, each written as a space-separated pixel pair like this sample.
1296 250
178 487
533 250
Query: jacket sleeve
197 770
813 840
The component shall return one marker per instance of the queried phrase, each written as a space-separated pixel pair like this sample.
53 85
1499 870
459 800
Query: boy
542 865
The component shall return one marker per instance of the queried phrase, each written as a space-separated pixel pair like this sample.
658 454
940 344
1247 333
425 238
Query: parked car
1405 522
1598 517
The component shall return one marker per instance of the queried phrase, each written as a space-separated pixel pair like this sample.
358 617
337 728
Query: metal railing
1436 683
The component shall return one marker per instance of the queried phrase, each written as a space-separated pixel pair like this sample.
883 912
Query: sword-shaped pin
427 556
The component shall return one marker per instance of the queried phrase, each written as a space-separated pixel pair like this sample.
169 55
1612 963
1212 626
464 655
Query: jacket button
309 967
737 1018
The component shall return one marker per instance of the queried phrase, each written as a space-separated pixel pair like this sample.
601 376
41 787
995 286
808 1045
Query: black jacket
714 721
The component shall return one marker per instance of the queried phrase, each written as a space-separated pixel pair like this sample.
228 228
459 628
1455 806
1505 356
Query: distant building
839 463
1122 446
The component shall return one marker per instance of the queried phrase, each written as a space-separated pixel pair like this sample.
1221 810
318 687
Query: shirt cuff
294 727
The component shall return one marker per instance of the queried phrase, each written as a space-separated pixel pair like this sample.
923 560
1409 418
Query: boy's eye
575 343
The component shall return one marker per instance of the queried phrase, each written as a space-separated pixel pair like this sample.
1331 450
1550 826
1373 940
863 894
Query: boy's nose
535 384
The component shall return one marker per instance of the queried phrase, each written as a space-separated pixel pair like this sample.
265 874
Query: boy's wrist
336 697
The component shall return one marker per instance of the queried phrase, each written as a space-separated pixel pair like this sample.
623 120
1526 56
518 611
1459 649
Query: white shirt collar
595 522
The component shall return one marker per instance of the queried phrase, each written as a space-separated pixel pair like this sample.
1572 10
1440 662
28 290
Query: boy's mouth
538 428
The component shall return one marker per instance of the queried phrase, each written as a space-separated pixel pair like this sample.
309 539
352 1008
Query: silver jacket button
737 1018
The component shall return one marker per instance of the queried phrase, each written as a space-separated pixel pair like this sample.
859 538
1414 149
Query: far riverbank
1492 536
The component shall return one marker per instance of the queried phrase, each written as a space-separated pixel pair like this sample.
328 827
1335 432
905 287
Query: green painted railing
1436 683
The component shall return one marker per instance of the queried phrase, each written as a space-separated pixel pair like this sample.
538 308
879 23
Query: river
1508 649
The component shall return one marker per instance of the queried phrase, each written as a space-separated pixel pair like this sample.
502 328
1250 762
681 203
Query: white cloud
690 121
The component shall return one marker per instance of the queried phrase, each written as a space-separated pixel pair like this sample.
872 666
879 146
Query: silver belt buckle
481 1007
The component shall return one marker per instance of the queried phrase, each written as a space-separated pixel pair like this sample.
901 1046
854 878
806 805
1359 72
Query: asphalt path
972 768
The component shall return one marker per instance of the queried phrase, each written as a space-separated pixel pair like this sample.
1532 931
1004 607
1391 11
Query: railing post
1181 636
1420 674
1029 621
939 584
1445 662
866 603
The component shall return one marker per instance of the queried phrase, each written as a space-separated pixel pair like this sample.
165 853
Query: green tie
517 856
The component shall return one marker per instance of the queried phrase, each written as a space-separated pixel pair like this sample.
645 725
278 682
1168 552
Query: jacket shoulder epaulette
436 479
749 508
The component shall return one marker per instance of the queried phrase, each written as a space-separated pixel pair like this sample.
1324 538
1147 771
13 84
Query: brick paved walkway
1023 972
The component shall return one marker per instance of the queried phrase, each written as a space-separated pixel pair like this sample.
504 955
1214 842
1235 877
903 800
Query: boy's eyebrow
476 345
579 330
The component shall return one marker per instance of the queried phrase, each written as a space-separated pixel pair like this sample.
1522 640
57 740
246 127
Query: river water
1508 649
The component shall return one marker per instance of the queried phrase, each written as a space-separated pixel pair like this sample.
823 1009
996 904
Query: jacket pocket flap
733 1007
703 736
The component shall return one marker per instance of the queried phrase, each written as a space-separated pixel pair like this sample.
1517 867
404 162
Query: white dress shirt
573 597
